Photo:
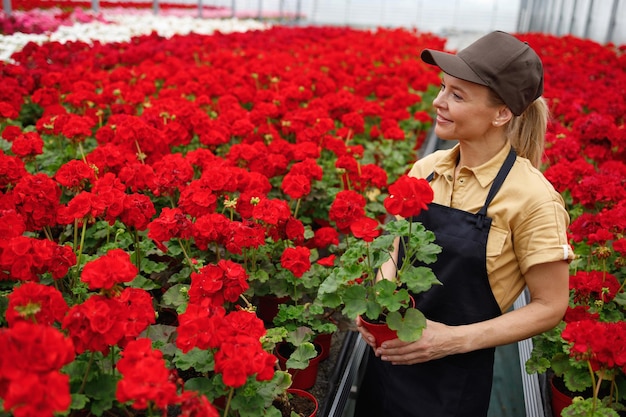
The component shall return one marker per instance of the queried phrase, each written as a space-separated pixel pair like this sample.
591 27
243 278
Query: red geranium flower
172 223
138 211
75 175
31 356
348 207
297 260
216 284
172 172
11 170
324 237
11 224
244 235
85 206
145 377
210 228
37 199
37 303
109 270
199 326
27 145
408 196
589 286
365 228
198 198
327 261
620 246
26 258
271 211
296 186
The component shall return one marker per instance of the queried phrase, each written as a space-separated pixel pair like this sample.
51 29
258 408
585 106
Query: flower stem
82 152
137 250
230 397
596 386
191 265
84 382
79 250
295 212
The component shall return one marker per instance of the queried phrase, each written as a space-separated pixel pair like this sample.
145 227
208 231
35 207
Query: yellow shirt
529 220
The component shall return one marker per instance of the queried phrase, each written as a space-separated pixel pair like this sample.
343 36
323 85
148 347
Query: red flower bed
192 174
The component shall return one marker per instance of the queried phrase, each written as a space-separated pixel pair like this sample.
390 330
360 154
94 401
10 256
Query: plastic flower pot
560 400
267 307
301 378
324 340
380 331
307 395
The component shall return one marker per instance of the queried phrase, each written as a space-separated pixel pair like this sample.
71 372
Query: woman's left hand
436 342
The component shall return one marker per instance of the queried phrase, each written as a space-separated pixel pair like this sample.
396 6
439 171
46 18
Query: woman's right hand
366 335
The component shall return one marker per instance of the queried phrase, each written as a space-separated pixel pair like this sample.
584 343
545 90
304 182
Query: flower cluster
153 191
31 358
148 210
585 154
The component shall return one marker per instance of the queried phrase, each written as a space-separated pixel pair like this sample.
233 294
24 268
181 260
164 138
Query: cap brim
451 64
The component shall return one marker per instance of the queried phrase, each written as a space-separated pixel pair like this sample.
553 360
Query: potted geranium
357 285
585 355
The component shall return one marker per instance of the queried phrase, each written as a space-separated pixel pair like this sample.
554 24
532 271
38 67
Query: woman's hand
367 336
436 342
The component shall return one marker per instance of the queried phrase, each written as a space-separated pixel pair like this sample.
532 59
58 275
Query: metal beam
611 28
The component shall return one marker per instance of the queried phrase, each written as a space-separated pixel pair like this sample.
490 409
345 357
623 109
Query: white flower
122 26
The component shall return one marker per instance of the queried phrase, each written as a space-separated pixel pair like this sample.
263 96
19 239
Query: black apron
456 385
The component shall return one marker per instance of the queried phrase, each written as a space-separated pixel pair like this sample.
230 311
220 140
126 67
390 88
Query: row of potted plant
154 192
147 209
585 354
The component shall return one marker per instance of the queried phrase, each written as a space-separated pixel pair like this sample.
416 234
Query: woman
501 225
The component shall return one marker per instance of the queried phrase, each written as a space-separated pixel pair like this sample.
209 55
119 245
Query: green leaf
354 300
587 407
389 297
79 402
202 385
409 327
419 279
144 283
201 360
300 357
176 295
258 275
102 392
162 337
149 266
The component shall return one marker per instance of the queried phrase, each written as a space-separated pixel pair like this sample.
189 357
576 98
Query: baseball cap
500 61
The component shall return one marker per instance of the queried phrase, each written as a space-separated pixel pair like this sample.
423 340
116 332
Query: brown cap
500 61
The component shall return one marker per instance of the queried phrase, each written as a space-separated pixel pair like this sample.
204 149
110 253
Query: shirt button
462 180
449 177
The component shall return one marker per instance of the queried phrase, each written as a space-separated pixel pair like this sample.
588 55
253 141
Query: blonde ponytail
527 132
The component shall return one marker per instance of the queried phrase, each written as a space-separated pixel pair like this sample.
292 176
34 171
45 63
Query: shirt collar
485 173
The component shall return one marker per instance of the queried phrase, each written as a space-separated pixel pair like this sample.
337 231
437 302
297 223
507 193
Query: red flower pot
380 331
267 307
308 396
324 340
560 400
301 378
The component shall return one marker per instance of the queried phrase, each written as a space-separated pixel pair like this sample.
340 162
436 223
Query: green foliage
354 286
408 327
588 407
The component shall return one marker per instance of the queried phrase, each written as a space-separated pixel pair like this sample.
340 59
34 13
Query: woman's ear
503 116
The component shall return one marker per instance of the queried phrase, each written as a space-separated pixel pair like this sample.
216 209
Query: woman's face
464 110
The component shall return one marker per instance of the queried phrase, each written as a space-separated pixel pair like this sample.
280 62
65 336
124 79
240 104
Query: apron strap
498 181
495 187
